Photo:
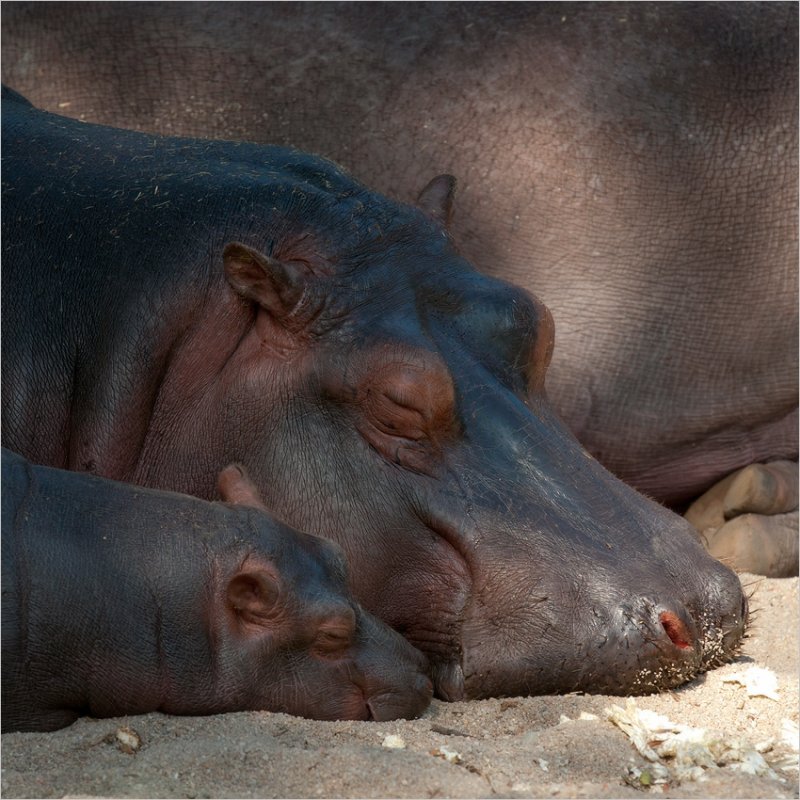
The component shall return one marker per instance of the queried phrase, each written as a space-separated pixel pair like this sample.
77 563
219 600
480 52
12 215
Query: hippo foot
749 520
762 545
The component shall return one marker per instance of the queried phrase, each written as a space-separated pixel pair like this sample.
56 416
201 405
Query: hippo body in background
633 165
171 305
122 600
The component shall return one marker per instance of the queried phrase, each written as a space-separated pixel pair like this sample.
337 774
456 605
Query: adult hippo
172 305
634 165
121 600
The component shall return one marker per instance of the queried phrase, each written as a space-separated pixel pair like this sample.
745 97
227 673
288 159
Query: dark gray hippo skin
121 600
170 306
633 165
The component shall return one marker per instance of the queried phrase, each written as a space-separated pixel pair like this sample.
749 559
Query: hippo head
387 396
296 636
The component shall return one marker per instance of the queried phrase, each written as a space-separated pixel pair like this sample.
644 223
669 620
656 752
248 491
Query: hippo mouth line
443 645
389 705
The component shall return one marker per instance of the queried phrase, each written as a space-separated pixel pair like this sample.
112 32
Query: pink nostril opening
675 629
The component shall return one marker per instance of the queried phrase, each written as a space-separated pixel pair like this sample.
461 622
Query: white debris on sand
790 745
127 739
448 755
682 753
584 716
757 681
393 742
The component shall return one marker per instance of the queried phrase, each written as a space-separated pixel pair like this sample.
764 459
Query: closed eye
403 403
396 418
332 641
336 635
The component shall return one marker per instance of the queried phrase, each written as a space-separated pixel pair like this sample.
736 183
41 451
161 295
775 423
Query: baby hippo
122 600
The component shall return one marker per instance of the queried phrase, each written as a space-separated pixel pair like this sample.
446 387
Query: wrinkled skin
208 302
634 165
121 600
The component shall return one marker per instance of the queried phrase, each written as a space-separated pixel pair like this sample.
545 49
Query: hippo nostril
676 630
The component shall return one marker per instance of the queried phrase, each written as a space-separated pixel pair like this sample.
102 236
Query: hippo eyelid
336 633
414 403
412 428
413 408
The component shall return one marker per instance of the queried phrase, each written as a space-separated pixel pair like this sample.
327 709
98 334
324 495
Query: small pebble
448 755
128 740
393 742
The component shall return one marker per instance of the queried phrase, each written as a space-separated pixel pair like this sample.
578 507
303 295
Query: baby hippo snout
372 674
397 683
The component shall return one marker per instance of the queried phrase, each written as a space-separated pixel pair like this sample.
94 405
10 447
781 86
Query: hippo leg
749 519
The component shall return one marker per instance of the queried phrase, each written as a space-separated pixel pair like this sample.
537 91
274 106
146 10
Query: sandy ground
516 747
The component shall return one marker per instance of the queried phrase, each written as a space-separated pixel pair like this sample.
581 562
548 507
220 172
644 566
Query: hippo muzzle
584 584
580 637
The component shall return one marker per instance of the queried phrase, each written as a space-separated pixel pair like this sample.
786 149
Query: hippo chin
173 305
121 600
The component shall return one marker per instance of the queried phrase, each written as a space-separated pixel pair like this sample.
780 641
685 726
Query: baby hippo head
294 639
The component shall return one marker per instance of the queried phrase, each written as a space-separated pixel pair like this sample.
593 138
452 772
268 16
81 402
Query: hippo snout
394 675
655 642
723 616
650 644
648 625
673 644
406 704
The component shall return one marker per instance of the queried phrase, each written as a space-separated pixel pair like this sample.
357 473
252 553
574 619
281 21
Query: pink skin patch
675 629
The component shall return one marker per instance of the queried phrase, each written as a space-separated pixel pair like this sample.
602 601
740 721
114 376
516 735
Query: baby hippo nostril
676 630
424 686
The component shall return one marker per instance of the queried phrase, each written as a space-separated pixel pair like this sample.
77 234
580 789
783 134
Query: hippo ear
253 595
235 486
436 199
277 286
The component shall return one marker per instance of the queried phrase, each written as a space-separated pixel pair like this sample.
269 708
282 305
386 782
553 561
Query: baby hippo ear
436 199
253 595
235 486
277 286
